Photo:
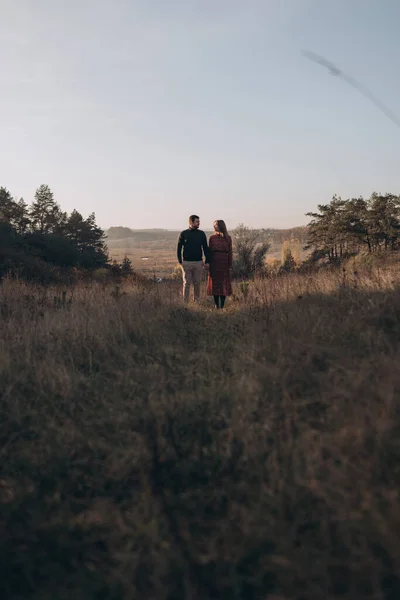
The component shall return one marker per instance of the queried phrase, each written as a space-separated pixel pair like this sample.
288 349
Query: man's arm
206 249
179 249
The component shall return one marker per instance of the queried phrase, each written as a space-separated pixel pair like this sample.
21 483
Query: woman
220 258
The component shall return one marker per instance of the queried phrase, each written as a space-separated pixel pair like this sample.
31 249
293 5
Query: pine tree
345 227
46 215
126 266
327 231
384 218
88 238
14 213
21 220
7 206
288 261
358 225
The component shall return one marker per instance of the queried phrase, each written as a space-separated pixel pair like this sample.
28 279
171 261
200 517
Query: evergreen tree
320 234
384 219
88 238
41 239
288 260
21 220
14 213
358 225
126 266
46 215
345 227
7 206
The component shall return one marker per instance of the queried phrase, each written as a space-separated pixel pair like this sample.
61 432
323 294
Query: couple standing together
192 245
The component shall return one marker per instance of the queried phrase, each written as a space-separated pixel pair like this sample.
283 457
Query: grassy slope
154 452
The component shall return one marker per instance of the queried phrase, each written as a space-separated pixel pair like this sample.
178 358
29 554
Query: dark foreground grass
148 451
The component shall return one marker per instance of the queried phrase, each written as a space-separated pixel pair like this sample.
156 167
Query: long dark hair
222 229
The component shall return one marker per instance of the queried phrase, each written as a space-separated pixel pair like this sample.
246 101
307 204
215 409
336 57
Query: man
193 242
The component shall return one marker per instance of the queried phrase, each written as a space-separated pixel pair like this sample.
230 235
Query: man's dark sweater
194 243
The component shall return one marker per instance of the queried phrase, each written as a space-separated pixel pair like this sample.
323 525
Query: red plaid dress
219 275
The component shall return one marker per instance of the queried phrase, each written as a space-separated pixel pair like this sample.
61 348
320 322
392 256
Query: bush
126 267
273 266
249 252
177 273
101 274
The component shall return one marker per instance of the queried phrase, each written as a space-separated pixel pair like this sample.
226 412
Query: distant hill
158 235
118 233
141 235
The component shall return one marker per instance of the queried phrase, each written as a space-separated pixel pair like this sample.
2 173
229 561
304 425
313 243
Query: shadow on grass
210 455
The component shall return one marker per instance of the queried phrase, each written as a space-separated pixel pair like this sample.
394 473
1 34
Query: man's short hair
192 218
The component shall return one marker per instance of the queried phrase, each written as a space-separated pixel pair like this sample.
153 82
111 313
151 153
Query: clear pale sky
145 111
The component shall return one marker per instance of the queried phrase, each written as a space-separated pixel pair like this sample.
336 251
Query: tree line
38 241
345 228
337 231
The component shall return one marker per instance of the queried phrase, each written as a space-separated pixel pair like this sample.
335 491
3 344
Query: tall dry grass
153 451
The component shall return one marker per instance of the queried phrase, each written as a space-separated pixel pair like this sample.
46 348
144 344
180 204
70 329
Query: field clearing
155 451
160 255
147 261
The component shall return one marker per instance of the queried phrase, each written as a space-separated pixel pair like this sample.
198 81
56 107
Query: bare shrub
250 251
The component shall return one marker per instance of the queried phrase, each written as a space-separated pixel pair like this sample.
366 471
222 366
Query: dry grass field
154 253
156 451
151 252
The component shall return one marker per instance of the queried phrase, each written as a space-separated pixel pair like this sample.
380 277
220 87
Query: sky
146 111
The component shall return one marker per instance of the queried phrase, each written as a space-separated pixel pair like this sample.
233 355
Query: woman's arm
210 248
230 251
206 250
